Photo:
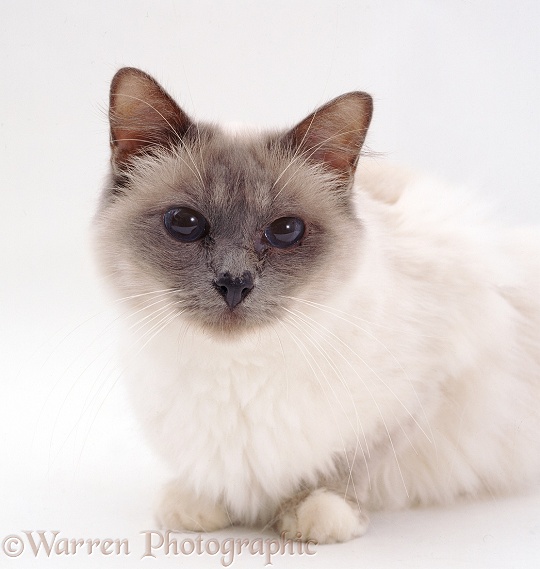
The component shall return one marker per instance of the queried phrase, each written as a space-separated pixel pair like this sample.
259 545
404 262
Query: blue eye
185 224
285 232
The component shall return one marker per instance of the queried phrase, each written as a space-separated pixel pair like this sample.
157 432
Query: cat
311 336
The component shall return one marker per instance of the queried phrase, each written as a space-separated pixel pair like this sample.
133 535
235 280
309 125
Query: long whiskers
347 318
156 328
313 325
339 314
154 331
156 303
304 350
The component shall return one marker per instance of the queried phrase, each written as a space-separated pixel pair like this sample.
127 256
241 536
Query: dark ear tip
365 101
365 98
123 71
355 101
126 73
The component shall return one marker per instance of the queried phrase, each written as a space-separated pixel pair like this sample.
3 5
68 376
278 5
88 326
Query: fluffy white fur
420 376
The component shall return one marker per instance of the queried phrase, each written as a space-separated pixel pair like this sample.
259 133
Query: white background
456 87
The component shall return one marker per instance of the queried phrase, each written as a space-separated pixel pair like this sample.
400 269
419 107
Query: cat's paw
322 516
181 511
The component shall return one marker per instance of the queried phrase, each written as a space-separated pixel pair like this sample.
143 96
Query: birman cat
310 335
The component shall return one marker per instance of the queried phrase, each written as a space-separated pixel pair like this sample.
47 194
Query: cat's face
231 225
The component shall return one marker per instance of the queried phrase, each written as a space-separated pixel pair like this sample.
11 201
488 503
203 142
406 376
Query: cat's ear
333 135
142 115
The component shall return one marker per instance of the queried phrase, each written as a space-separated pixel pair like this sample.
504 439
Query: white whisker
340 403
370 335
156 329
372 397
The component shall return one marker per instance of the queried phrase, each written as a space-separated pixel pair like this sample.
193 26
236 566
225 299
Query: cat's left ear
142 115
333 135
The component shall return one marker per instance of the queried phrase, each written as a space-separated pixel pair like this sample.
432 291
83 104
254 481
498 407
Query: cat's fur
391 358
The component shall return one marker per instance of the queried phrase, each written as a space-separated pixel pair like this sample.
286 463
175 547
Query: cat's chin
231 326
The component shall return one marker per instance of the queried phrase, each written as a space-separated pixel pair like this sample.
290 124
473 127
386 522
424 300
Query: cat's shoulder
410 195
382 180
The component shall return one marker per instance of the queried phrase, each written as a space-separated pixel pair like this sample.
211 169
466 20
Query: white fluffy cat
305 344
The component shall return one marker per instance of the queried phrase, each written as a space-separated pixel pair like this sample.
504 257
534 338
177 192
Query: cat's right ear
142 115
333 135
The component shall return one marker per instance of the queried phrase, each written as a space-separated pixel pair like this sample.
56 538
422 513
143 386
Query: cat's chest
247 403
259 419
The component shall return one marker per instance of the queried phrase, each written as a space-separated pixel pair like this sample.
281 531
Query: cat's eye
285 232
185 224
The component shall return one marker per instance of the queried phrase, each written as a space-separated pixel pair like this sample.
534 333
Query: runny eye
284 232
185 224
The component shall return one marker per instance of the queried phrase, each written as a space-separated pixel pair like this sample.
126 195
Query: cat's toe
323 516
178 511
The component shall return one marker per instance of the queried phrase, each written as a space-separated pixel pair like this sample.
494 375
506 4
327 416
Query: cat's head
228 226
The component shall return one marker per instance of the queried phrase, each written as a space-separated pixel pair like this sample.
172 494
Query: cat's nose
234 289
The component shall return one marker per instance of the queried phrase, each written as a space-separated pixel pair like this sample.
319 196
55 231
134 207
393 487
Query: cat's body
393 360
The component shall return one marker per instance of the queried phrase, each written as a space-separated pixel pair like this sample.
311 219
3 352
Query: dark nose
234 289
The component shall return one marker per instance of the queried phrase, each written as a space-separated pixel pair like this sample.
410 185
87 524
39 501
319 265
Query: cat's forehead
242 163
230 173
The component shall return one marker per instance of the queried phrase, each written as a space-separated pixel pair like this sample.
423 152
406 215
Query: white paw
179 510
323 516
